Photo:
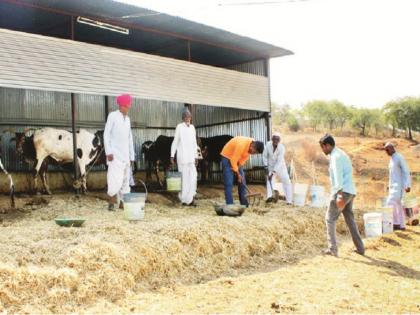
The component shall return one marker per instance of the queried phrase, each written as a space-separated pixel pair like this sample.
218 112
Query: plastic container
373 224
70 222
134 204
173 181
299 194
387 220
317 194
409 201
277 186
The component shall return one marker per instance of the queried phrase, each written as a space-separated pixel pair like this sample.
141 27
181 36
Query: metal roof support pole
268 114
189 50
106 107
73 122
73 129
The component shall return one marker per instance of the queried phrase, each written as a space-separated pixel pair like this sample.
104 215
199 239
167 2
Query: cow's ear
28 132
95 142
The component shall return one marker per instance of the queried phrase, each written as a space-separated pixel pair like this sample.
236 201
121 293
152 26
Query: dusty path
386 280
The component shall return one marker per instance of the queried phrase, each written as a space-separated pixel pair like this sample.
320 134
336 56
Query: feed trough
70 222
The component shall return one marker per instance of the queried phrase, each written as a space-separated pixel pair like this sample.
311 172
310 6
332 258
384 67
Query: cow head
146 145
20 139
200 149
25 145
199 153
97 146
99 139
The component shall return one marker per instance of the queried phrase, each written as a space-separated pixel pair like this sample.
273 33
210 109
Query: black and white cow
211 148
48 145
11 185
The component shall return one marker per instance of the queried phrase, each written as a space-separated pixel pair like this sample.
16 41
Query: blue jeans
228 179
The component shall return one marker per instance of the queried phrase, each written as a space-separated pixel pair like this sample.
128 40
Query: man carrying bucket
273 158
399 182
186 149
343 193
119 150
235 154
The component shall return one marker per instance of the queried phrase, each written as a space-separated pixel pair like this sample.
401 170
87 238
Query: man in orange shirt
234 155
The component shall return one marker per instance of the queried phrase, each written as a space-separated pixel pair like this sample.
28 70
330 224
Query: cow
211 148
147 153
158 153
48 145
11 185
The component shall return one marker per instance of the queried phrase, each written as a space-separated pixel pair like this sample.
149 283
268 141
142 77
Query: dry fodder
45 268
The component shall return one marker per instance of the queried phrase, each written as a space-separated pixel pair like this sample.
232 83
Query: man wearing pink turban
119 150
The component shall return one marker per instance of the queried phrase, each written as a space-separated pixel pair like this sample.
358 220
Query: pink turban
124 100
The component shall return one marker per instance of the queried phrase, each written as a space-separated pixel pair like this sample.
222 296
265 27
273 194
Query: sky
361 52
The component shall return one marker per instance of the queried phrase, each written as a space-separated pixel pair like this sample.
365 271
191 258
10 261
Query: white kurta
118 141
185 147
274 160
399 180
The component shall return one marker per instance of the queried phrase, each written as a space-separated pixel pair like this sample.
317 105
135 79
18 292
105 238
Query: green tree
314 111
280 114
363 119
404 113
293 123
378 120
342 113
390 116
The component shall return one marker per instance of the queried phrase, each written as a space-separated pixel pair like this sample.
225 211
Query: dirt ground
370 163
188 260
384 281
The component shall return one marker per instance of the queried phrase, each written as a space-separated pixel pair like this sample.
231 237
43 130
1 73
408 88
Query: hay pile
46 268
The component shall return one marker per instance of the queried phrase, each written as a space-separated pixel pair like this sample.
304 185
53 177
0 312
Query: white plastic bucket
373 224
409 201
299 194
134 211
278 187
134 205
317 194
387 221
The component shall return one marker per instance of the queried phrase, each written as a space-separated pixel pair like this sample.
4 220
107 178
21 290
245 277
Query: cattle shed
71 58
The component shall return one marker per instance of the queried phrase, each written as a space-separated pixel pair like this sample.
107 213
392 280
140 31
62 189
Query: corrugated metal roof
158 31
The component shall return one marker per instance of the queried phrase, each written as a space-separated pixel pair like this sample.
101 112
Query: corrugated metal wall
254 67
30 109
233 122
45 63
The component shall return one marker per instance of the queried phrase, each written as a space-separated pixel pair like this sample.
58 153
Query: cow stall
57 72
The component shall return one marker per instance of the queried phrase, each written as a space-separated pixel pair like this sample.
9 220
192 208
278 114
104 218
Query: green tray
70 222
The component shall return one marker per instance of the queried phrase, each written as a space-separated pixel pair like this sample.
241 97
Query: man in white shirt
399 183
119 150
273 158
185 147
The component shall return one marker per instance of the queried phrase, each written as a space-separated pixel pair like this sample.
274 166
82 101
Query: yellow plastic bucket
173 181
